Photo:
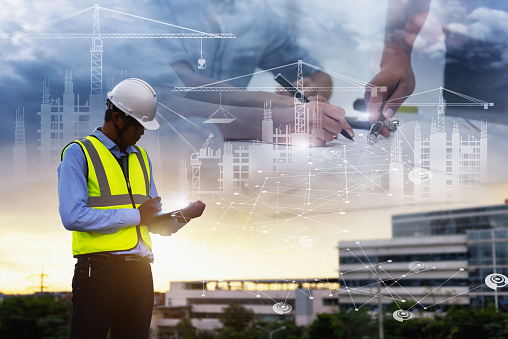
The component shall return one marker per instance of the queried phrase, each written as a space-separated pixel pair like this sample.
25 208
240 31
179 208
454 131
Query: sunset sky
242 236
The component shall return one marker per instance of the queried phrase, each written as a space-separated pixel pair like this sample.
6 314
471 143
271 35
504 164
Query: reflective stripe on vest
107 189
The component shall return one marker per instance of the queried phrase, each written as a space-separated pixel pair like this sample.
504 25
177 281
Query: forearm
404 20
85 219
230 96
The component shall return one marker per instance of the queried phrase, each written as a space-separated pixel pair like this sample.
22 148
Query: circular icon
401 315
331 152
419 176
307 241
496 280
282 308
417 266
393 124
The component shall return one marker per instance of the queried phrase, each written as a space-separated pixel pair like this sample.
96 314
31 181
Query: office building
202 302
435 259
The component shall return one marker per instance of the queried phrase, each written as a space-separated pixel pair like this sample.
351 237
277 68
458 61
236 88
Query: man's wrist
396 51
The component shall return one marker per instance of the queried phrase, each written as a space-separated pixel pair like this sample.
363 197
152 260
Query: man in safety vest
108 200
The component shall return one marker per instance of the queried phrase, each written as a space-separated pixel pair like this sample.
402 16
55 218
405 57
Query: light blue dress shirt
263 39
73 198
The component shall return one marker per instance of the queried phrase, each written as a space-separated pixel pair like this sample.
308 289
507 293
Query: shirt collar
113 148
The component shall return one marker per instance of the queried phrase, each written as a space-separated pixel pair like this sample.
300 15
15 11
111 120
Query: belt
114 258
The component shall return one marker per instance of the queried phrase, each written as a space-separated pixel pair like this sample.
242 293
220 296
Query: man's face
131 130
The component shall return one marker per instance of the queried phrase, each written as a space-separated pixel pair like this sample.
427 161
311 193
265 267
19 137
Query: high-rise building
65 119
19 152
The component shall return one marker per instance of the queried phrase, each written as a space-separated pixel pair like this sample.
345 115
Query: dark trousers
111 292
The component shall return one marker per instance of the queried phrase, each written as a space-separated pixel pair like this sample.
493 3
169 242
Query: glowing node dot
357 242
311 298
342 212
258 296
260 171
236 193
356 309
461 269
390 261
347 202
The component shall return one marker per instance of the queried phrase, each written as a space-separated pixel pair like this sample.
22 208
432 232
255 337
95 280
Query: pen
376 127
295 92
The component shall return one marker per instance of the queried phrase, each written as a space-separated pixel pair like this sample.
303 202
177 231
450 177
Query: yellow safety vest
109 188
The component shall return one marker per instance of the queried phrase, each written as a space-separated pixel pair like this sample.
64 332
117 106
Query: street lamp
272 332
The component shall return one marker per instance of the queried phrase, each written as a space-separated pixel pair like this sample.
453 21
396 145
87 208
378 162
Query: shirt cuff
132 216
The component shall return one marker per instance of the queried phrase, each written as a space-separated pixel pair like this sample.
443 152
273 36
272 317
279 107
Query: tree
322 327
353 324
41 316
237 321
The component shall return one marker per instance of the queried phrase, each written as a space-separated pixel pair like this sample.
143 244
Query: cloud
490 24
482 23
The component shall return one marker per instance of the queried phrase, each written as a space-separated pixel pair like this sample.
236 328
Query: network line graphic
389 284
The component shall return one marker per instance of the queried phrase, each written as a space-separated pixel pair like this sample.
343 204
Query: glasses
138 128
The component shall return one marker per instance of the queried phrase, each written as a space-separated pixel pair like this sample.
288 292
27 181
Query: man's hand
194 210
398 77
149 210
404 20
332 120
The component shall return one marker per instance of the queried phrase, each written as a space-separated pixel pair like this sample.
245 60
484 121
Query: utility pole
41 276
494 264
379 306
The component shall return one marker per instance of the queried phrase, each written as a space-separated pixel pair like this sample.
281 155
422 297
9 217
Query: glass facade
448 222
487 254
408 257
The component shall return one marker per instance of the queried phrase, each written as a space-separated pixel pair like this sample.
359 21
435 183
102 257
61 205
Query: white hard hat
137 99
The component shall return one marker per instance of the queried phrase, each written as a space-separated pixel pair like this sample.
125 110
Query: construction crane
359 86
96 36
197 155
